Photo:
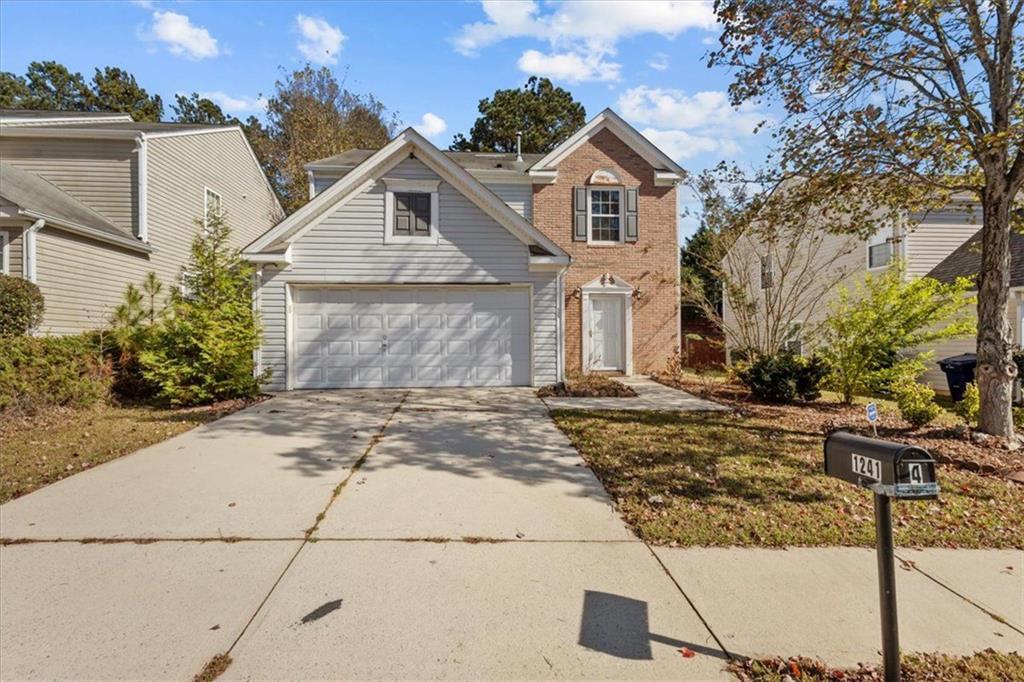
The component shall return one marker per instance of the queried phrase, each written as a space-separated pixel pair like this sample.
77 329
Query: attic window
411 211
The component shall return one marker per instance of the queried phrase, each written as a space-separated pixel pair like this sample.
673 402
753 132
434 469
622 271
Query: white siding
519 196
935 236
348 247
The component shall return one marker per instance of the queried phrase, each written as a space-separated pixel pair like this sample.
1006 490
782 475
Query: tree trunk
996 369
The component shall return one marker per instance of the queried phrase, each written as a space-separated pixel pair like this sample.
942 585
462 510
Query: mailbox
885 468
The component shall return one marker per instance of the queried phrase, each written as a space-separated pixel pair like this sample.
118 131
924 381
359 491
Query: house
90 202
920 240
965 261
411 266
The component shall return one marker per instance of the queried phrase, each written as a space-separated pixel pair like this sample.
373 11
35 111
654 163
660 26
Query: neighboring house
921 241
965 261
411 266
90 202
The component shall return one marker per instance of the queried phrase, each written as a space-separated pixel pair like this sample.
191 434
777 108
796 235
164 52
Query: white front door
606 333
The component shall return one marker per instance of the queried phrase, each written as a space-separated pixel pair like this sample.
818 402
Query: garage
406 336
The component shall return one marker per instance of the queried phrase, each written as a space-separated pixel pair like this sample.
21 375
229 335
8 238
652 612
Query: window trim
798 336
207 191
5 252
873 241
404 186
621 189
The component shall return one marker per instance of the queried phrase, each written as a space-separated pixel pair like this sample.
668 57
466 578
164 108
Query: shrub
203 351
49 371
915 401
133 326
969 407
1018 418
21 306
784 378
869 326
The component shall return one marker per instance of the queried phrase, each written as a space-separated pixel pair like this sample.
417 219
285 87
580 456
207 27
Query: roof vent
519 146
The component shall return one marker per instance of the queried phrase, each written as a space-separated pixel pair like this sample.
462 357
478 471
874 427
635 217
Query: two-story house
412 266
90 202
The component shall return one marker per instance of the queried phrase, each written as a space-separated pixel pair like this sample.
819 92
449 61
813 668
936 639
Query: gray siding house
367 287
92 202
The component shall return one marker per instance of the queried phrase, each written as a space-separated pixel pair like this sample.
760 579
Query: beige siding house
922 241
92 202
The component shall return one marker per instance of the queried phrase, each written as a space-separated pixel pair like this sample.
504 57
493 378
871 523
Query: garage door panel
411 337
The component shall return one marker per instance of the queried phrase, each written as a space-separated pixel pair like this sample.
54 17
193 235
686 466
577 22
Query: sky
430 62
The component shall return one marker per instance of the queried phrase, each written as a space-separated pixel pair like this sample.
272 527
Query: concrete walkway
650 395
452 534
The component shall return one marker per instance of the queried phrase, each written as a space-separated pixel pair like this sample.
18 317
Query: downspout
312 184
142 230
560 330
28 250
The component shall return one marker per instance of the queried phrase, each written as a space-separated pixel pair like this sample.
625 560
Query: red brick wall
650 265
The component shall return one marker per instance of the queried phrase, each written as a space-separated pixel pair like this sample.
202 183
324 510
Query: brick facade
650 265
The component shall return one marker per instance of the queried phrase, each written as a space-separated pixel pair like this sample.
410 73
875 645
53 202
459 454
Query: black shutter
632 215
403 215
421 212
579 205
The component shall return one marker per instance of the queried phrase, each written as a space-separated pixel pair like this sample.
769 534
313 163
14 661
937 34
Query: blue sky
429 61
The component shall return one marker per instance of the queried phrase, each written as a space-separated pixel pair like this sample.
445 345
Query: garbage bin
959 371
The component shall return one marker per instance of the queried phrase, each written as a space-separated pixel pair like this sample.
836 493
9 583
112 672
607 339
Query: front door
606 333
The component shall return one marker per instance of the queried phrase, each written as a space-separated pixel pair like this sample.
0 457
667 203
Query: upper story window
879 252
411 211
213 207
767 272
605 215
794 340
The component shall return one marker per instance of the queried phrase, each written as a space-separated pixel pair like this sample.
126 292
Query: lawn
984 666
724 479
39 450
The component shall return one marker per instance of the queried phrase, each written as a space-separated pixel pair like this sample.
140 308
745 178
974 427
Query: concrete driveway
351 534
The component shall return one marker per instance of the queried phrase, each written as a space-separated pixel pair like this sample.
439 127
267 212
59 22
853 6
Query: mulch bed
587 386
985 665
950 445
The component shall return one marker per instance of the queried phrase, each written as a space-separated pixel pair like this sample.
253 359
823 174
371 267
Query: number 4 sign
872 413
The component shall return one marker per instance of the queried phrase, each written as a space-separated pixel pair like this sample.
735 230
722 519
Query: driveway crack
335 494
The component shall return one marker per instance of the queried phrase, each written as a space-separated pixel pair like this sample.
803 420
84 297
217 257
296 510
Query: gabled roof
37 198
374 166
667 171
965 261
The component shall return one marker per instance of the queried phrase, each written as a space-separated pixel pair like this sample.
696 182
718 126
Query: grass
983 666
723 479
587 386
39 450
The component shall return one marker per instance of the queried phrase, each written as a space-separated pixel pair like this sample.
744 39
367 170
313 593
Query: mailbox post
889 470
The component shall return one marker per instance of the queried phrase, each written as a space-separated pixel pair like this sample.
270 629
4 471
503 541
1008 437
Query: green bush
203 351
21 306
915 401
133 326
969 407
49 371
784 378
1018 418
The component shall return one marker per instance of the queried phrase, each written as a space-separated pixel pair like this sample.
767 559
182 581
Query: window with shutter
412 214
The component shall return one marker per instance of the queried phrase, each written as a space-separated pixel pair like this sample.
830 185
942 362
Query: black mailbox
885 468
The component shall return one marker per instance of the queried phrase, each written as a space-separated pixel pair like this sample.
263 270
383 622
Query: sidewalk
823 602
650 395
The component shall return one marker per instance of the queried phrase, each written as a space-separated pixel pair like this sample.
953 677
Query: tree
870 325
311 116
203 350
908 103
544 114
115 89
196 109
46 85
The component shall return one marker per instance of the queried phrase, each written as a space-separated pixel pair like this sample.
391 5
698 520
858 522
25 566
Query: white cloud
572 67
320 42
182 37
687 125
581 32
242 104
431 125
144 4
659 62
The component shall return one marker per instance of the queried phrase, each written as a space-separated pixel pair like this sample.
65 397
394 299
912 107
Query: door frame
608 285
289 328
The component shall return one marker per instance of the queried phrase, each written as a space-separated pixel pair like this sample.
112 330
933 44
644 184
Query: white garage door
408 336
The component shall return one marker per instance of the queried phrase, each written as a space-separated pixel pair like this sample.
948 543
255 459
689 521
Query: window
605 215
411 211
412 215
212 206
767 272
879 253
794 341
